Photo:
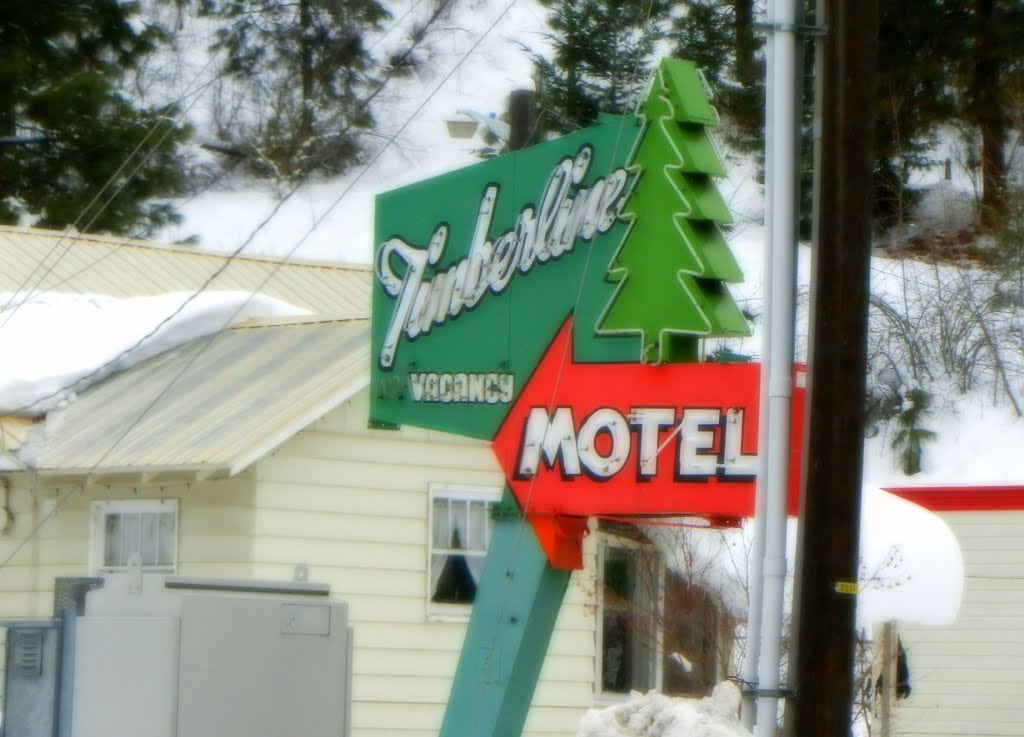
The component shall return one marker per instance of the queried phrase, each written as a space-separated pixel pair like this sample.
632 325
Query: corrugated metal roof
42 260
213 404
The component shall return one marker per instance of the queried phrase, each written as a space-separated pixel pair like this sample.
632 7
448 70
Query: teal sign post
612 230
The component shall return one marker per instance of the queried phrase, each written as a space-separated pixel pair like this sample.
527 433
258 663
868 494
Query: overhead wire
234 254
6 312
208 340
100 370
397 64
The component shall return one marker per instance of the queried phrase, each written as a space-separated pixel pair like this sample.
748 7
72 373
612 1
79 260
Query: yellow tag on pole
845 587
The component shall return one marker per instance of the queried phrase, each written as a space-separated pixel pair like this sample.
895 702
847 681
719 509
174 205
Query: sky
977 442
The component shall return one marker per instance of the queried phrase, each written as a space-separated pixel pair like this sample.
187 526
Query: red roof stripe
963 498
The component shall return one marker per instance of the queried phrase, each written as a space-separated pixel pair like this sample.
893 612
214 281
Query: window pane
149 541
166 541
616 653
619 581
628 621
460 523
476 566
112 554
440 534
436 566
477 534
131 531
455 583
692 638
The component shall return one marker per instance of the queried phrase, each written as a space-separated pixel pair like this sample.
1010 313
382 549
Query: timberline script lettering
568 213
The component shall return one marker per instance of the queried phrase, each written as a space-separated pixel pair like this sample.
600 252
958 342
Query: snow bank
55 345
657 715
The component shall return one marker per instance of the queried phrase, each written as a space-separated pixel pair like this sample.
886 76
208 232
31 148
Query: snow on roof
911 568
55 345
40 261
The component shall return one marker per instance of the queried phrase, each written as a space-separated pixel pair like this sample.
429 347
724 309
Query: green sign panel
477 269
616 225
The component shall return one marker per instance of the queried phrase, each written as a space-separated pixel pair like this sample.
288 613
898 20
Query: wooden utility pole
823 656
521 119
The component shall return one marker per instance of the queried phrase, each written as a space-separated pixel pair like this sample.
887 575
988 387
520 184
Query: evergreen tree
718 36
941 62
911 438
988 66
73 149
601 58
914 96
304 78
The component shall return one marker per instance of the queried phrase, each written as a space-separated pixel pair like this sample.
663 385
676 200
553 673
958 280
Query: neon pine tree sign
674 255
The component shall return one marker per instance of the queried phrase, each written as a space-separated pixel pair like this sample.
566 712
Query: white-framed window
460 526
134 532
630 617
656 628
698 638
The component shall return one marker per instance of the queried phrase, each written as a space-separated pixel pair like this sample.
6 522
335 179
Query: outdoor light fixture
468 122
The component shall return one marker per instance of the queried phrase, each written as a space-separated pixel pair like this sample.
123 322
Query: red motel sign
637 439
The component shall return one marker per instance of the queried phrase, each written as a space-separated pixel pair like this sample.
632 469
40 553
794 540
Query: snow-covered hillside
477 61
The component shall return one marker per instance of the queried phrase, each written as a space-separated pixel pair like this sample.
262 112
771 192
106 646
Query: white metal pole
755 567
782 90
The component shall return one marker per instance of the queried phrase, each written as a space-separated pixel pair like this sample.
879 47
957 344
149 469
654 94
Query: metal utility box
269 665
159 656
32 667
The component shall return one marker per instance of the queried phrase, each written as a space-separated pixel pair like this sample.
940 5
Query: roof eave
286 431
120 475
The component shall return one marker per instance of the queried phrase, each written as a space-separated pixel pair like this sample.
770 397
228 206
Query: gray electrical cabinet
262 665
164 656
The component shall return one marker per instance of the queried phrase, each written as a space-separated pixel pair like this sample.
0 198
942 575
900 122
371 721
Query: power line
6 311
337 142
210 339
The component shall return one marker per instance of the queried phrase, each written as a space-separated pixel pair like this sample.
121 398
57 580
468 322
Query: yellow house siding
352 504
51 532
966 677
215 520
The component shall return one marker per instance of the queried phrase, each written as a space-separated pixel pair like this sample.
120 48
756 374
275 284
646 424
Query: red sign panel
637 439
